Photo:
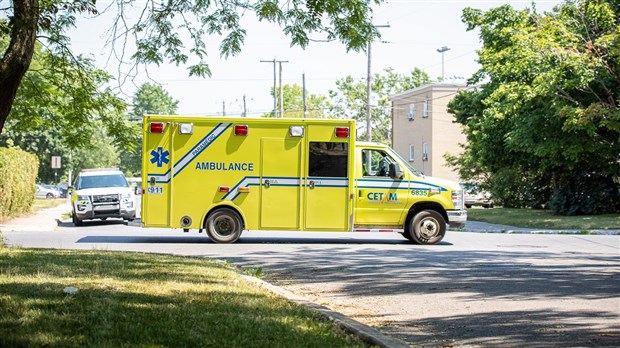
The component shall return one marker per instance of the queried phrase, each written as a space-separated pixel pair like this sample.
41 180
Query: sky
417 28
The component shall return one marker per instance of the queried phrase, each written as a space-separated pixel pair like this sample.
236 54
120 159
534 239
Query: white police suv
102 194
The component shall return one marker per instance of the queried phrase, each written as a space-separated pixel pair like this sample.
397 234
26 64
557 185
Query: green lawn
41 203
141 300
543 219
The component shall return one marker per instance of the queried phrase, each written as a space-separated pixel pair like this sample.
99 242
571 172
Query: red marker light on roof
241 129
342 132
223 189
156 127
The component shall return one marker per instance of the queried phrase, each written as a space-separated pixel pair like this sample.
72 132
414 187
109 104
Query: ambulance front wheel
224 226
427 227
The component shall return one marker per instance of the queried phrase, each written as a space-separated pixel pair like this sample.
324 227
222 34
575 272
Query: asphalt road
473 289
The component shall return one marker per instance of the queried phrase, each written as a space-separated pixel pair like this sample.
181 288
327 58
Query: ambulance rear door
156 164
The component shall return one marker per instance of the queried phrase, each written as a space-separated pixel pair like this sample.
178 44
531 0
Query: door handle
311 184
267 183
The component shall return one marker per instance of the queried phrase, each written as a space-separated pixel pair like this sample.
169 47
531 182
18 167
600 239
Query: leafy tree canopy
68 95
172 32
545 119
63 109
152 99
349 100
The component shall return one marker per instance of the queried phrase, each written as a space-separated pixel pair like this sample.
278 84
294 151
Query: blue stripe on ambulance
390 184
192 154
283 181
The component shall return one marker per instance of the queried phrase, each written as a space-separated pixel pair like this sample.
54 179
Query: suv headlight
127 199
83 198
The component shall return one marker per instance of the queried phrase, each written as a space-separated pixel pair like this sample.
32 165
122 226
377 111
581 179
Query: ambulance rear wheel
224 226
427 227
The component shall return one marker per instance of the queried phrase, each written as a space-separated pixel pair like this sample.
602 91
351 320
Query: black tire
224 226
76 222
468 206
427 227
49 196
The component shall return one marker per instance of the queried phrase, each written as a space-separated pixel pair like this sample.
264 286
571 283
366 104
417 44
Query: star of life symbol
160 156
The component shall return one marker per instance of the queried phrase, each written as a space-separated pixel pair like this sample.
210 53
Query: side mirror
395 171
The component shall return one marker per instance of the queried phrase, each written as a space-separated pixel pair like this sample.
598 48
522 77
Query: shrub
582 192
18 173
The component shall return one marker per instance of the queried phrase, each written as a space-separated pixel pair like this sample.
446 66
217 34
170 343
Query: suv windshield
110 180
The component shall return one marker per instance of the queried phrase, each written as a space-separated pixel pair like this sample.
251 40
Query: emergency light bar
241 129
342 132
156 127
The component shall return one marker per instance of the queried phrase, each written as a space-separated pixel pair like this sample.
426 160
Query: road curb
366 333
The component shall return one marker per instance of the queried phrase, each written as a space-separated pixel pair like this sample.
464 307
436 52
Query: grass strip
544 219
144 300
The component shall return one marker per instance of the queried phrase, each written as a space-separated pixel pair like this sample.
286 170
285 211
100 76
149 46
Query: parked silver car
475 196
46 191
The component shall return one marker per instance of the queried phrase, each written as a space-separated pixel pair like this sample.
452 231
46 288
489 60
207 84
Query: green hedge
18 175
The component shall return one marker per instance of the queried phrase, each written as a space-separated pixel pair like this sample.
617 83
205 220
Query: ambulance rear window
328 159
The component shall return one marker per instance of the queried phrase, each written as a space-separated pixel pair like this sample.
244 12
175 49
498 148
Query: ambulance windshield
406 163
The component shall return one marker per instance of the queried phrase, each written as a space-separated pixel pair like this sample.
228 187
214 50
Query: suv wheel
76 221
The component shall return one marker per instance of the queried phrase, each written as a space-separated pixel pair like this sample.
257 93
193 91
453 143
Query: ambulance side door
280 192
326 189
381 200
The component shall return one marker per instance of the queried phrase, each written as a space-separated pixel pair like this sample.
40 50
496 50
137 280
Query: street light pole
368 86
442 50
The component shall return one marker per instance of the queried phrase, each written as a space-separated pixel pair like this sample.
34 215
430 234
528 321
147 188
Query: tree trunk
18 55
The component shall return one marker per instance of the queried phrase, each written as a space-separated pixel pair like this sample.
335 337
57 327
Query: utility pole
275 103
442 50
281 90
303 83
245 109
368 85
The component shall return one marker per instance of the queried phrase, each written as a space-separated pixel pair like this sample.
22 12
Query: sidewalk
44 220
485 227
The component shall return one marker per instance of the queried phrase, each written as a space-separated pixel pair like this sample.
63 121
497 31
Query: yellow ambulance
225 175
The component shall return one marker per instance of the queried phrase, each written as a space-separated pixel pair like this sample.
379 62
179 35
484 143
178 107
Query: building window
411 153
425 109
411 112
425 152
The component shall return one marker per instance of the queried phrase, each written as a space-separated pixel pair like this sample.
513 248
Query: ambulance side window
328 159
375 163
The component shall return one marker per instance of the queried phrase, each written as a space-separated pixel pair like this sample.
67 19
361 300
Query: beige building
423 130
